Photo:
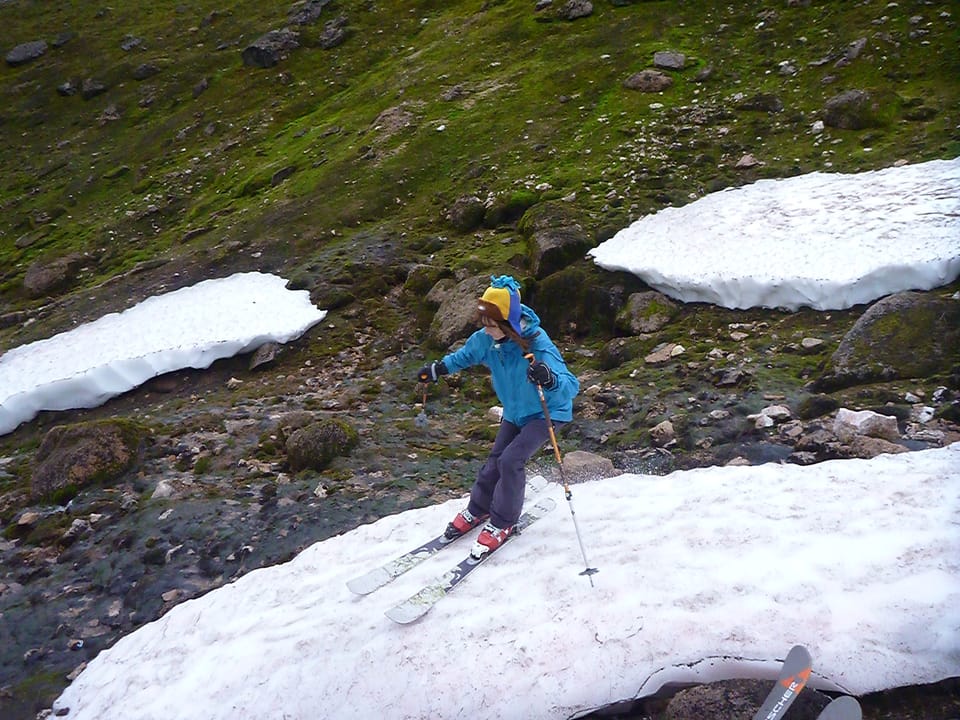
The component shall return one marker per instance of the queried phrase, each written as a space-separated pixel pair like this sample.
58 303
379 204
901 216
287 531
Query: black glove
539 373
432 372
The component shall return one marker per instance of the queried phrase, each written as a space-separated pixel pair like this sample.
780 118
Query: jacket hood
529 322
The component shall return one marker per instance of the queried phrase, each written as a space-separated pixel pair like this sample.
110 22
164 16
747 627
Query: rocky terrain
389 161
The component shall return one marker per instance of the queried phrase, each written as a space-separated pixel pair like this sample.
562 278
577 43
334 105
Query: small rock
263 355
669 60
663 434
661 354
580 466
163 490
26 52
28 519
849 425
648 81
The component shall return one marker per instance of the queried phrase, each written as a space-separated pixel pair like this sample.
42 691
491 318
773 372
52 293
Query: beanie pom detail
505 281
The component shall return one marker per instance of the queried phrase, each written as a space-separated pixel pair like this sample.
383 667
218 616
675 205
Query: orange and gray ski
793 677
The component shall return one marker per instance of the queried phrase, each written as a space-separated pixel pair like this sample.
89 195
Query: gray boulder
906 335
71 457
270 48
855 110
646 312
456 316
555 235
44 278
649 81
26 52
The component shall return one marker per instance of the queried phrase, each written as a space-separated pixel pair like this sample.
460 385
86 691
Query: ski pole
588 571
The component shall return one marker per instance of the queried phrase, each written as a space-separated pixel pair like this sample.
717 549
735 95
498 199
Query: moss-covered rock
556 236
508 208
906 335
646 312
71 457
582 299
316 445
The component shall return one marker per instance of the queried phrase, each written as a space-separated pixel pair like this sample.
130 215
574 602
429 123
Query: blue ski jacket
508 371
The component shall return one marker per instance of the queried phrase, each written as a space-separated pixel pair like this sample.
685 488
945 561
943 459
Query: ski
792 679
842 708
419 604
380 576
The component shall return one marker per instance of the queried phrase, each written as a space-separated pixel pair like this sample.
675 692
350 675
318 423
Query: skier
509 335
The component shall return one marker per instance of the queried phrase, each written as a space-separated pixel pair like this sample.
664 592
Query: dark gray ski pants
501 481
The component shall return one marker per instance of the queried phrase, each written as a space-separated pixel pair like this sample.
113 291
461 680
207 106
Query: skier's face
492 329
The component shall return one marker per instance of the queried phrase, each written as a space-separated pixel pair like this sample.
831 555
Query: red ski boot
463 522
489 539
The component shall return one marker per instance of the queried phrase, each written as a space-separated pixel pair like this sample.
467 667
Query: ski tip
366 584
546 504
405 614
799 655
842 708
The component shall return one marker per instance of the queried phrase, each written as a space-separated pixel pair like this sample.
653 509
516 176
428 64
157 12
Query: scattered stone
269 49
26 52
575 9
661 354
466 213
647 312
762 102
335 33
163 491
145 70
648 81
90 88
851 110
669 60
663 434
770 416
816 406
852 52
306 13
28 519
581 466
78 528
747 162
131 42
264 354
850 424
